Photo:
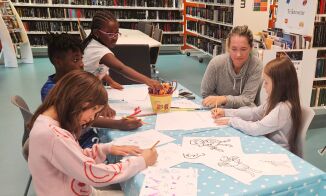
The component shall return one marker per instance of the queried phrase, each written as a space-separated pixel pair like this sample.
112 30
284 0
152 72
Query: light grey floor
26 80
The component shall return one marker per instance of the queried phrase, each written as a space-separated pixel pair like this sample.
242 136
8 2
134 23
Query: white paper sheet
172 181
185 103
144 139
168 155
184 120
272 164
235 166
212 145
128 93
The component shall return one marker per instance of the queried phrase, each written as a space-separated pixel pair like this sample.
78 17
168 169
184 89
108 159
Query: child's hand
154 84
217 112
214 101
108 112
222 121
125 150
116 85
130 123
150 156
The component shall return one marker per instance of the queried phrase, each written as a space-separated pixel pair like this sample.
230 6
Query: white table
132 36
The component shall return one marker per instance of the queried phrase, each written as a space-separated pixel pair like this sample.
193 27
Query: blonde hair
241 31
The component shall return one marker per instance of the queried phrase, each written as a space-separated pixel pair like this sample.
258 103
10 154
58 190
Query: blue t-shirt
90 137
49 84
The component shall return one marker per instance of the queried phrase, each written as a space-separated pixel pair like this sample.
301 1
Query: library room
164 98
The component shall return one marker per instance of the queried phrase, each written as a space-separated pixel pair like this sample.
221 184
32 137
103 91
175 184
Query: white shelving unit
209 21
15 44
64 14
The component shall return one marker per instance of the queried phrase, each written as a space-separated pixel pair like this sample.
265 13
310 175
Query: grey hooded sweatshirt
221 80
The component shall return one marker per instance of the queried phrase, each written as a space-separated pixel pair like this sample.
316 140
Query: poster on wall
260 6
296 16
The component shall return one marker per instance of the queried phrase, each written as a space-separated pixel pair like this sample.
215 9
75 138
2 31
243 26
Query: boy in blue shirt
65 53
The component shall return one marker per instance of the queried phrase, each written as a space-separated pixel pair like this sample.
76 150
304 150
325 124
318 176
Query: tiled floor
27 81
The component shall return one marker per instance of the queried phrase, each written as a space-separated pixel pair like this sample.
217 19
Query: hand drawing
213 144
235 162
192 156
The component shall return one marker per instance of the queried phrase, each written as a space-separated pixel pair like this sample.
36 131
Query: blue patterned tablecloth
309 180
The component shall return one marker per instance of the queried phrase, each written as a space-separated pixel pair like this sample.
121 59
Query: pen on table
188 109
155 144
148 114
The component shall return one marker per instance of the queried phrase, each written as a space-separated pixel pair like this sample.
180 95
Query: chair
81 31
27 116
307 116
157 35
134 56
145 27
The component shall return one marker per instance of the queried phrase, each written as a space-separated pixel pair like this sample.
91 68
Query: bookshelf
318 91
14 40
40 16
208 22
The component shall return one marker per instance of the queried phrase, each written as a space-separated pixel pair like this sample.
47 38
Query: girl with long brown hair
280 117
58 164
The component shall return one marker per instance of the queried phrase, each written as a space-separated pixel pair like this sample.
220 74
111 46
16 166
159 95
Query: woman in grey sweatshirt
279 118
233 79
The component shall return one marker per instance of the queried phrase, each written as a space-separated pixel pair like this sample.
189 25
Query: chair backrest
257 100
145 27
157 34
26 113
134 56
307 116
82 32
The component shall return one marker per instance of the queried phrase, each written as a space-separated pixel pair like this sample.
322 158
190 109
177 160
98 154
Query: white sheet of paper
272 164
211 145
171 181
185 103
128 93
184 120
235 166
144 139
127 107
168 155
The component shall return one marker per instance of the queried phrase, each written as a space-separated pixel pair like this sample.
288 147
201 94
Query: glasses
111 35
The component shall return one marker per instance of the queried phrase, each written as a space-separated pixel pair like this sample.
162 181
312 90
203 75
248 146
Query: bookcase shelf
15 44
63 16
208 22
318 92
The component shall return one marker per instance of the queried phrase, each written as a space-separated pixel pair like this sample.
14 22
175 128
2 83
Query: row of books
51 26
216 14
16 37
215 31
210 47
5 9
172 39
10 22
318 96
226 2
164 15
40 40
319 34
276 38
321 7
89 13
140 3
73 26
320 68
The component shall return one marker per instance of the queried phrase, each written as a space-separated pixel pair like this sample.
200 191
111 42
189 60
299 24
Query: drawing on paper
193 155
213 144
235 162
